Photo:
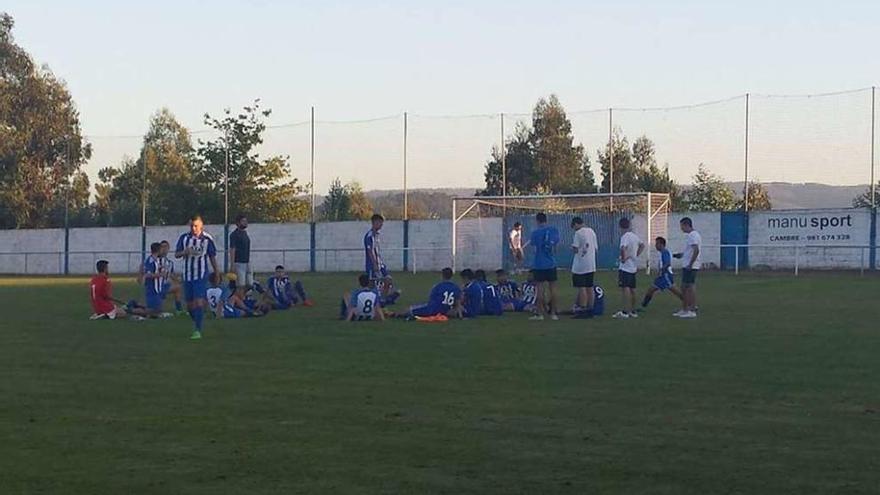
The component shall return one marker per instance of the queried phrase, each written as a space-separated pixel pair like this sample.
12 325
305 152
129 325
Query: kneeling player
103 303
362 304
445 299
666 280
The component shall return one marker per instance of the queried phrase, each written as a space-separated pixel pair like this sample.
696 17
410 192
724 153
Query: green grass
774 389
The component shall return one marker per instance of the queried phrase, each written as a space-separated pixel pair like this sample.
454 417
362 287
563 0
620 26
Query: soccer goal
481 225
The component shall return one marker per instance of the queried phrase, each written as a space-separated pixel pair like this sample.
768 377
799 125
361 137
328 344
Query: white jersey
629 243
516 239
365 303
215 297
584 243
693 242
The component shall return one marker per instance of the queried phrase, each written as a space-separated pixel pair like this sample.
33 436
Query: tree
541 158
346 202
163 172
636 169
759 198
710 193
864 200
262 189
41 145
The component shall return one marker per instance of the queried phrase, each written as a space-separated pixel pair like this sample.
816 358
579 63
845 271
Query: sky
358 61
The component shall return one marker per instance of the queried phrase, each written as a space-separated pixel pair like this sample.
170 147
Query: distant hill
789 196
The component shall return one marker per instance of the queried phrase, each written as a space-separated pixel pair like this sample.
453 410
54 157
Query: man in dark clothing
240 253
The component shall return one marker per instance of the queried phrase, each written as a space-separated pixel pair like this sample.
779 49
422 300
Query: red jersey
101 302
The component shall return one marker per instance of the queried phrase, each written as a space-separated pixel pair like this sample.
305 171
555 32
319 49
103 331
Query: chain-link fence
821 138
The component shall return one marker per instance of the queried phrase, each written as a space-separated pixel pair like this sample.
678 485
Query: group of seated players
226 299
475 297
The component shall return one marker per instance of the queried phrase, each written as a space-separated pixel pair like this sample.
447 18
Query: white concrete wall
32 251
840 242
479 244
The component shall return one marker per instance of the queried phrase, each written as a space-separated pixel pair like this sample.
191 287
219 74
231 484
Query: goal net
481 225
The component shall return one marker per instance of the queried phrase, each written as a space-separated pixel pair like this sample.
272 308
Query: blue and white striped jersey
195 265
365 302
371 247
152 265
166 269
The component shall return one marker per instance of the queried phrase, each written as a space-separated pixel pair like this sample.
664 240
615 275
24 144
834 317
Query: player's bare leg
541 311
554 300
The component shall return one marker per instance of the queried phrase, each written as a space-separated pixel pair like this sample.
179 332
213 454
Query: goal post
481 225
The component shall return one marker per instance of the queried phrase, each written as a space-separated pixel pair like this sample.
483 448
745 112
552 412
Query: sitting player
507 289
388 294
598 305
445 299
362 304
226 303
103 303
528 297
256 299
665 281
153 282
472 298
491 299
281 291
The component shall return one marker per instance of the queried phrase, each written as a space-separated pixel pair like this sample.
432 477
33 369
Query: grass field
774 389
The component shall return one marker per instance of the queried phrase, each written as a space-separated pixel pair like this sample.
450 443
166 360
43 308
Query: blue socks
301 292
198 317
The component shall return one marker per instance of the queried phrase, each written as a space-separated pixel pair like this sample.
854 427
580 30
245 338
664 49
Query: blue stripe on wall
734 230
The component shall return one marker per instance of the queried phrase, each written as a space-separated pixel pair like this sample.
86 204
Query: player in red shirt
103 304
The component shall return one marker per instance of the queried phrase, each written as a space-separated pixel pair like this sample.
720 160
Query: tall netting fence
824 138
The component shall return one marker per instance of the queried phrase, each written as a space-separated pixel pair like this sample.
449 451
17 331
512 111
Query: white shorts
244 273
110 316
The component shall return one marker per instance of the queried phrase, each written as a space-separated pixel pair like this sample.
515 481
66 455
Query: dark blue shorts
195 289
519 305
230 312
426 310
664 281
154 300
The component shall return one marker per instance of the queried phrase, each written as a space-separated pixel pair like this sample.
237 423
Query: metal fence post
797 257
736 261
746 159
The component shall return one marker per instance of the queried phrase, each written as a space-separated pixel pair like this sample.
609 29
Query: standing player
101 295
631 248
583 264
363 303
691 264
197 249
514 239
665 279
544 239
445 298
373 264
170 283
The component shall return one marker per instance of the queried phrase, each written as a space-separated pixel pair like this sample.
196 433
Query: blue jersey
598 301
529 293
443 297
544 240
664 264
508 290
152 266
491 300
473 299
195 265
281 289
371 250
